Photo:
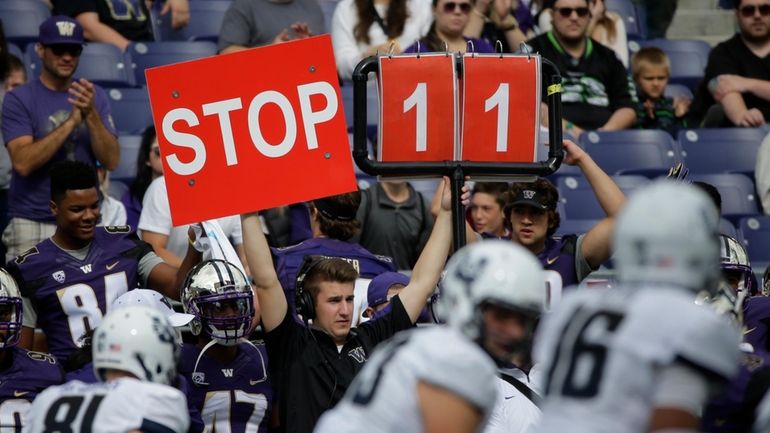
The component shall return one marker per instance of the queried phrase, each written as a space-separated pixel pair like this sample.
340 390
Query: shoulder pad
42 357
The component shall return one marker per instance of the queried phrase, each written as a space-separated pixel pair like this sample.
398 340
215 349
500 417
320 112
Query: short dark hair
71 175
712 192
495 189
737 3
543 187
15 64
332 269
336 228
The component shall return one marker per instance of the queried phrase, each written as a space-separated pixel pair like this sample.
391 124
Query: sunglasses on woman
567 12
450 7
749 10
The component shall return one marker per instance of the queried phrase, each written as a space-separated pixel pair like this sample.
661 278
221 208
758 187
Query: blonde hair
649 56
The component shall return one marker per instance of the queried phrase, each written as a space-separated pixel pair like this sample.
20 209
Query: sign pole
458 210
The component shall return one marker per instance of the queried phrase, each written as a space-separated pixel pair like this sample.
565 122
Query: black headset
303 300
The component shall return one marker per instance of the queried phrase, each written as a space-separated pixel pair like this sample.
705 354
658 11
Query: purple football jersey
235 397
28 374
71 296
288 260
733 410
559 256
756 319
34 110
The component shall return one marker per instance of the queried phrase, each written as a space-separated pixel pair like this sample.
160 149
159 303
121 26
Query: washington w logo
227 372
66 28
528 194
86 268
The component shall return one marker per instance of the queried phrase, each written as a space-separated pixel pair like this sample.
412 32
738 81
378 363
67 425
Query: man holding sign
313 366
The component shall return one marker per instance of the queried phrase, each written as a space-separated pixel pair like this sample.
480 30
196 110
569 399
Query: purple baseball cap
59 30
377 292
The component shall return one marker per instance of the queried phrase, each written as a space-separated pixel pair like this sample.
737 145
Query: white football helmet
491 272
668 233
138 340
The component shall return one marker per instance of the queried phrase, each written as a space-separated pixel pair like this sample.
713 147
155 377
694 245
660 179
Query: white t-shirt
603 351
113 212
383 396
156 217
348 51
118 406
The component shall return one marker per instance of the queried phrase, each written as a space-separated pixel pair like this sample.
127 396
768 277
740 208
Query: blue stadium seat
150 54
21 19
328 7
129 150
755 234
688 58
130 110
205 22
674 90
16 51
728 228
721 150
738 193
103 64
568 227
579 201
633 151
635 28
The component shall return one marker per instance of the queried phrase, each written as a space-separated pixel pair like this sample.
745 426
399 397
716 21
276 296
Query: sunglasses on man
450 7
73 50
749 10
581 12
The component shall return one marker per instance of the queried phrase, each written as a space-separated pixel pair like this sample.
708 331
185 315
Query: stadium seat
205 22
728 228
150 54
755 234
103 64
634 151
688 58
721 150
130 110
635 28
738 193
16 51
21 19
129 150
579 201
328 7
568 227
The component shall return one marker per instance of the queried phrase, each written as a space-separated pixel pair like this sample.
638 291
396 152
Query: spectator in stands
651 68
148 168
450 18
4 54
112 210
735 90
16 76
605 27
659 16
486 210
170 242
52 118
507 21
333 223
255 23
120 23
531 212
762 174
361 28
313 366
395 221
595 87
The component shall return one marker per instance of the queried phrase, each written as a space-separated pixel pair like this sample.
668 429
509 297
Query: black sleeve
73 8
284 342
619 85
384 327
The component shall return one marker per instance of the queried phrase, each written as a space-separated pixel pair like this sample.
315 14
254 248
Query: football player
443 378
643 356
227 374
134 352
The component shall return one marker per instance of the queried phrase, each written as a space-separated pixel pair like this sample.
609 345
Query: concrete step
697 4
696 24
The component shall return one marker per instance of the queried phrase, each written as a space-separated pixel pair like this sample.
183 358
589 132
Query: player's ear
53 207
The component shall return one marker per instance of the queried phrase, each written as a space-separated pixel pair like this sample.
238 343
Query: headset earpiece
303 300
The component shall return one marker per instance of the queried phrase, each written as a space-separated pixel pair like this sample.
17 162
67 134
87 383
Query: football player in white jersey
442 378
643 356
134 354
